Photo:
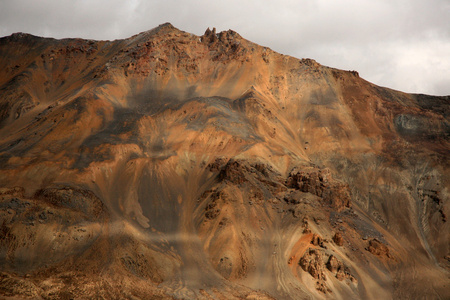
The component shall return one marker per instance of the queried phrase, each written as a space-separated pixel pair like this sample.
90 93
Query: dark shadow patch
4 158
409 125
319 97
124 121
436 104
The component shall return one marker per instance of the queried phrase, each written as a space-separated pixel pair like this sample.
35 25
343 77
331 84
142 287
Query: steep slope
172 165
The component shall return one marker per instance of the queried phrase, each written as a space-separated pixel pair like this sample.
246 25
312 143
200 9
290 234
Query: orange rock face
377 248
170 165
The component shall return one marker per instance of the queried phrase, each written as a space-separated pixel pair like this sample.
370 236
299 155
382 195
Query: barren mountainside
175 166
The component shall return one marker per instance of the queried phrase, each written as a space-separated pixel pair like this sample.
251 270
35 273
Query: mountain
175 166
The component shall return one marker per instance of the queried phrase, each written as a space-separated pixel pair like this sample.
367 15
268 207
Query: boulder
338 239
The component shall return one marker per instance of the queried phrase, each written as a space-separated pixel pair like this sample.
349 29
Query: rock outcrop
313 262
377 248
338 239
320 183
340 270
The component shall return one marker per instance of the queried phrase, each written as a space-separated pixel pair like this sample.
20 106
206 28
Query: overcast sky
401 44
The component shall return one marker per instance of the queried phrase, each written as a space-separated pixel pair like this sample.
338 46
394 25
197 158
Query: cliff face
173 165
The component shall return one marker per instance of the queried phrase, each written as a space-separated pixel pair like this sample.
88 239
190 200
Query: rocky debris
310 62
215 200
15 203
15 191
78 199
155 53
290 260
339 269
43 216
294 197
413 125
142 266
75 46
269 178
233 172
305 226
225 267
338 239
217 164
16 287
316 240
322 287
30 225
26 211
258 182
239 172
263 169
312 262
255 195
377 248
362 227
312 182
293 190
298 201
296 213
5 232
320 183
211 211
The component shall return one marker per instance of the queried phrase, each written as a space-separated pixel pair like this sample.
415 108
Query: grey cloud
401 44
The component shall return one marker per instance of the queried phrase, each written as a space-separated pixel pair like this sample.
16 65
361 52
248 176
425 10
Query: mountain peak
162 28
167 25
20 36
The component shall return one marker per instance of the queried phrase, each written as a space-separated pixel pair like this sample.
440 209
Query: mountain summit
175 166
